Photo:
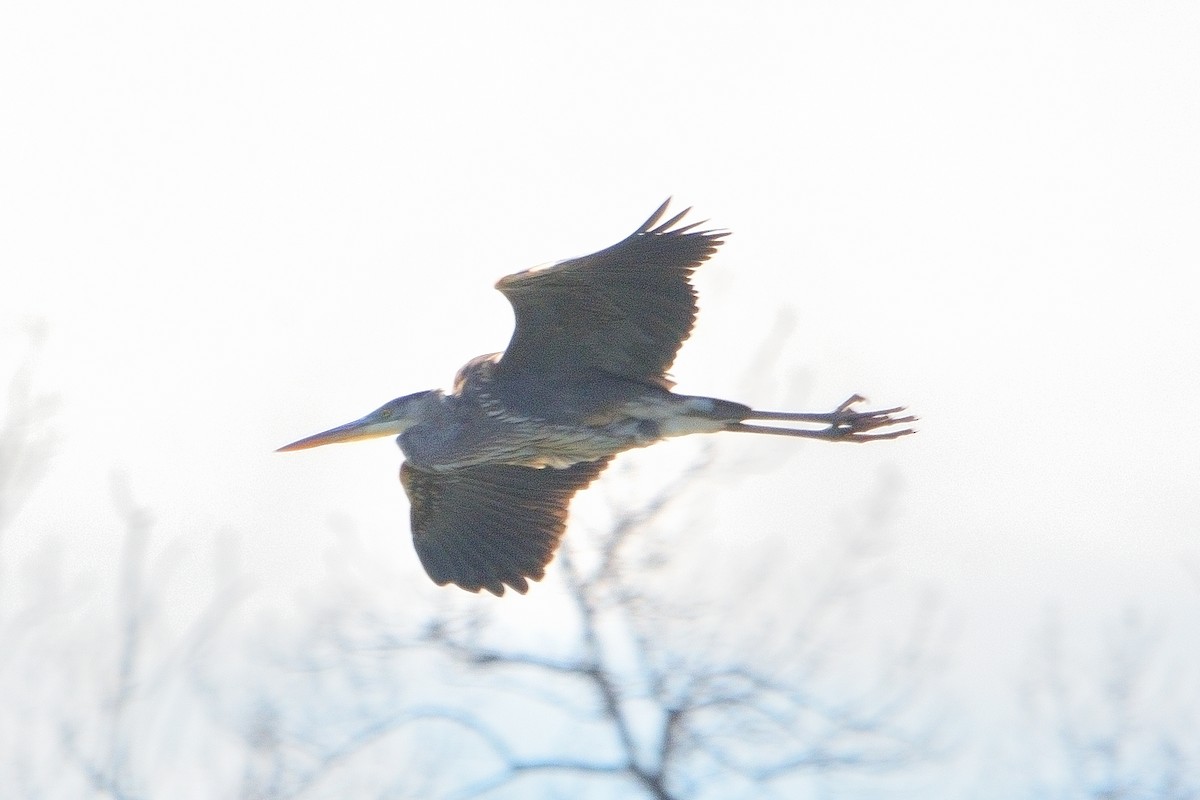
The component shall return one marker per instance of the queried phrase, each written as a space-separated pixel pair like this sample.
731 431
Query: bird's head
391 419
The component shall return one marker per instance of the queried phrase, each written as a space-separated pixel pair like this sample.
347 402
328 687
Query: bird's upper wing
486 526
624 310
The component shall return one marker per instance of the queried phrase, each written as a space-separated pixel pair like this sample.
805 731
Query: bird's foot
847 425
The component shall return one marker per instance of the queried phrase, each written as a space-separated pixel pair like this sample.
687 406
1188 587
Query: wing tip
712 238
652 227
656 216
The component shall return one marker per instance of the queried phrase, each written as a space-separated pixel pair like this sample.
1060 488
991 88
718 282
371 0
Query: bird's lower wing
487 526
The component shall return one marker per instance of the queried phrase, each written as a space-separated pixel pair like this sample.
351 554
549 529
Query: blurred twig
25 439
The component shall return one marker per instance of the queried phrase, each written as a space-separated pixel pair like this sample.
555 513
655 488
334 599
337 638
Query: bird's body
491 466
551 421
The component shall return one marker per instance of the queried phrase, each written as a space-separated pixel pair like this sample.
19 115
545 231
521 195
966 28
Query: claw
853 426
851 400
871 437
843 424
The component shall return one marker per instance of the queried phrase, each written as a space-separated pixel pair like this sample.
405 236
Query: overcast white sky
243 223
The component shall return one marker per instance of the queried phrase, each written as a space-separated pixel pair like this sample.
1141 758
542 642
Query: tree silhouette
1115 724
648 687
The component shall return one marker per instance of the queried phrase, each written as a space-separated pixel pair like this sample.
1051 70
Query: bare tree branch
735 717
1111 733
25 439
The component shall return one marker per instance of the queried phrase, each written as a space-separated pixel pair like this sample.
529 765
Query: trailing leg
842 424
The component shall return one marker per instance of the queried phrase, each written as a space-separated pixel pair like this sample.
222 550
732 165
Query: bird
491 466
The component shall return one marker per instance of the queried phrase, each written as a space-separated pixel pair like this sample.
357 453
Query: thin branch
517 769
628 521
581 591
25 441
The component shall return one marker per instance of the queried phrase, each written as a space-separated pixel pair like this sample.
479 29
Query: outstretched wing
486 526
624 310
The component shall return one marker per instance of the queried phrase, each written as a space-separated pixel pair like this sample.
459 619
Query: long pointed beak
369 427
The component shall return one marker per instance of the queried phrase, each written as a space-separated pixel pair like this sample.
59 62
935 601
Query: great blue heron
492 466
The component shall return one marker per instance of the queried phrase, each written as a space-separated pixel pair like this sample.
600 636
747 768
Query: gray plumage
492 466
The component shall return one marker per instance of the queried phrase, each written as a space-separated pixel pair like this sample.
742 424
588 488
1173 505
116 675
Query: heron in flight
492 466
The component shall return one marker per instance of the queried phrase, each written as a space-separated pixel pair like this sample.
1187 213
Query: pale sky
242 224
